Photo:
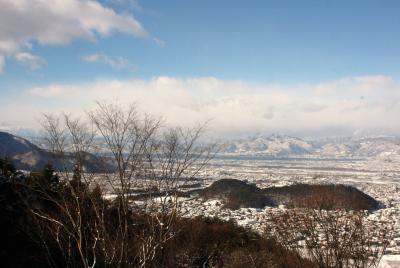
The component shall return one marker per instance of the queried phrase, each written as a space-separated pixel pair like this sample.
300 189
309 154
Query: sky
306 68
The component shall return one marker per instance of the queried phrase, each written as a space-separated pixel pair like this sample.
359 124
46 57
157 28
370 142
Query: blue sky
278 41
267 46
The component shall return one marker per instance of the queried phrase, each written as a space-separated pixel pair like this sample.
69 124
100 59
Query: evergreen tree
49 175
7 169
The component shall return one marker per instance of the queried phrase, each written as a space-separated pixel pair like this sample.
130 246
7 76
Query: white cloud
58 22
54 91
116 63
2 63
238 107
32 61
357 86
159 42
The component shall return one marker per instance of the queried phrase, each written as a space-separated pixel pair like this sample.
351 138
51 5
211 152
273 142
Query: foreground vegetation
35 233
48 222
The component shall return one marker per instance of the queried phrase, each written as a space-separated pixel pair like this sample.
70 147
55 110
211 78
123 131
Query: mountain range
287 146
26 155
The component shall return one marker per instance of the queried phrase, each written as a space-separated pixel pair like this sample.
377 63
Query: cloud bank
57 22
367 103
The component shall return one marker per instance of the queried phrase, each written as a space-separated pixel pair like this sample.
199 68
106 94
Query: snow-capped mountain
274 145
287 146
380 146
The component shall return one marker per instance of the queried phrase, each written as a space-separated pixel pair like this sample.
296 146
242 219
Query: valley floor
378 177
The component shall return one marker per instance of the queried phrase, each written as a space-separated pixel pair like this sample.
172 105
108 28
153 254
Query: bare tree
153 159
336 238
136 155
61 218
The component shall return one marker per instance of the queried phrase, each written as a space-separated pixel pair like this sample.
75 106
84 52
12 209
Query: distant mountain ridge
24 154
288 146
28 156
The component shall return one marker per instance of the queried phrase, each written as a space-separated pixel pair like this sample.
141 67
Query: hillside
237 194
327 197
22 153
27 156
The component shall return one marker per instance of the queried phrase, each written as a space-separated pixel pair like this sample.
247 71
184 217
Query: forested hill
236 194
27 156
